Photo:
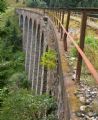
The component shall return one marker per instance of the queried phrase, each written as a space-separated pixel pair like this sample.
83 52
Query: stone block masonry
38 37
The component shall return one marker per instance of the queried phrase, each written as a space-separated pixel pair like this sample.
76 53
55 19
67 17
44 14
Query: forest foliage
17 100
3 5
62 3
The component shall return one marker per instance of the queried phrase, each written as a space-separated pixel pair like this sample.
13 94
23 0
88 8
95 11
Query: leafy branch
49 59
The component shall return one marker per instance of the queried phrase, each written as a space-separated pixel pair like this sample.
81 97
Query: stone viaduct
38 36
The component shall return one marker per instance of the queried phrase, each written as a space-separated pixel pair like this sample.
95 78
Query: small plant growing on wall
48 59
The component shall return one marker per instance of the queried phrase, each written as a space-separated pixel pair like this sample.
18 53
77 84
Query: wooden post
44 11
65 42
65 35
59 19
62 24
82 40
60 15
52 15
56 16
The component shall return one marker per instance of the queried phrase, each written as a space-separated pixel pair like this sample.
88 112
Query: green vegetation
92 42
2 5
36 3
74 3
49 59
91 51
62 3
17 101
73 52
22 105
15 3
11 55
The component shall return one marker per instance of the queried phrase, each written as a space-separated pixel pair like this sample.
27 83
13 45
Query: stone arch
40 66
21 21
45 77
30 24
28 48
32 51
34 28
25 32
37 49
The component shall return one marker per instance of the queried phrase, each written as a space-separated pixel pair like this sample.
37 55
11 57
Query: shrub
48 59
3 95
22 105
19 80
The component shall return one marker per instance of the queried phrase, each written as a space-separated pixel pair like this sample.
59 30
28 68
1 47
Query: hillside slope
12 3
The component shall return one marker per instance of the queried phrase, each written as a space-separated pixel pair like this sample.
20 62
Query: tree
72 3
11 56
2 6
88 3
17 1
36 3
47 2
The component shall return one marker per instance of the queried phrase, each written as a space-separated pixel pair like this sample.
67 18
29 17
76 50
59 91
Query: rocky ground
88 97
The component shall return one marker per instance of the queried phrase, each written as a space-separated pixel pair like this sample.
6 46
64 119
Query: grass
91 51
12 3
74 101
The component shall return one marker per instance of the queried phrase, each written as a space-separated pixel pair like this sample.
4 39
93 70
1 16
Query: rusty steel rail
58 18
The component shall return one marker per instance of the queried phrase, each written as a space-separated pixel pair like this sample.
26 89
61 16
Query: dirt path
70 86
